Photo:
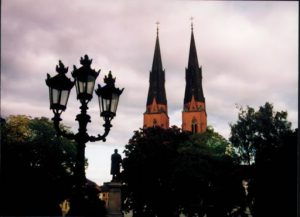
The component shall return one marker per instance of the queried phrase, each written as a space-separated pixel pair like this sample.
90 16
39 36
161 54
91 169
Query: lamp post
84 80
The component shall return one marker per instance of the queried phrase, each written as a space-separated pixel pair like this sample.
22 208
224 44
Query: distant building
157 109
104 194
194 117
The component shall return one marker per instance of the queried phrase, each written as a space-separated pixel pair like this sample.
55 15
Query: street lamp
59 89
108 97
84 79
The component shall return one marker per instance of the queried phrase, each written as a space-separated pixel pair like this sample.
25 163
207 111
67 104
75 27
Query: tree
36 166
265 138
212 171
149 159
276 179
257 133
168 172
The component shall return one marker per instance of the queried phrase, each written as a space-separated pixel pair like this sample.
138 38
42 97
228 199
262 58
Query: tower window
154 123
194 126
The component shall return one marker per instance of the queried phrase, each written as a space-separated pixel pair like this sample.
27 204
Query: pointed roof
157 63
193 75
193 59
157 78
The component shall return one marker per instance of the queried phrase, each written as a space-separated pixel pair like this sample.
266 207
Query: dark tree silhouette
168 172
36 168
265 139
257 133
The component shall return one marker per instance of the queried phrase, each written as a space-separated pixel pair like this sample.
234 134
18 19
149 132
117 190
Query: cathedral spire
156 109
193 59
194 118
157 63
193 74
157 77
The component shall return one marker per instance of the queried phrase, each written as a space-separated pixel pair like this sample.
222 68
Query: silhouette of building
156 114
194 117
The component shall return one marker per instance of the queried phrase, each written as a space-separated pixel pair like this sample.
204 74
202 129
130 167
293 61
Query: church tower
194 118
156 114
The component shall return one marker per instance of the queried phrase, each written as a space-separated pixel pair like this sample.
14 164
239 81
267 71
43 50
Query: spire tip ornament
192 24
157 27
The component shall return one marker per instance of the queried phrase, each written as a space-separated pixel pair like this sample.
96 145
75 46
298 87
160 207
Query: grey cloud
247 50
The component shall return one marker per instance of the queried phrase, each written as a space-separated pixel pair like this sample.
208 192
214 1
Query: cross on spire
157 27
192 25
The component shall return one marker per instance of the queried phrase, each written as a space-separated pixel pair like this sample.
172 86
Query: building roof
193 76
157 78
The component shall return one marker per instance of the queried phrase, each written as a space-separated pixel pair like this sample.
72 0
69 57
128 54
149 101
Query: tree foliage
36 166
168 172
276 179
265 138
257 133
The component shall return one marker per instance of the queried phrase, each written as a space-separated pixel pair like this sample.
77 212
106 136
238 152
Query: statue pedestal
114 204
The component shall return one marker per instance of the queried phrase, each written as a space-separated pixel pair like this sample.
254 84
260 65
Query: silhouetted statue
116 161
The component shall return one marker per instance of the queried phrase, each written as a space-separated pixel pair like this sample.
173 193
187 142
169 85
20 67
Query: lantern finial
86 61
60 68
109 80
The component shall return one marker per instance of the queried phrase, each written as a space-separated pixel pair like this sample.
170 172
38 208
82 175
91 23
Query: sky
248 51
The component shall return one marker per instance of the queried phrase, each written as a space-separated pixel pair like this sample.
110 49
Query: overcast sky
248 52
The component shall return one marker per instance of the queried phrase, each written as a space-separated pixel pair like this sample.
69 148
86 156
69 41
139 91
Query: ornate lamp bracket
102 137
56 119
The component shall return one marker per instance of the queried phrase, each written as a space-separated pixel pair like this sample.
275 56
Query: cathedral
194 117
